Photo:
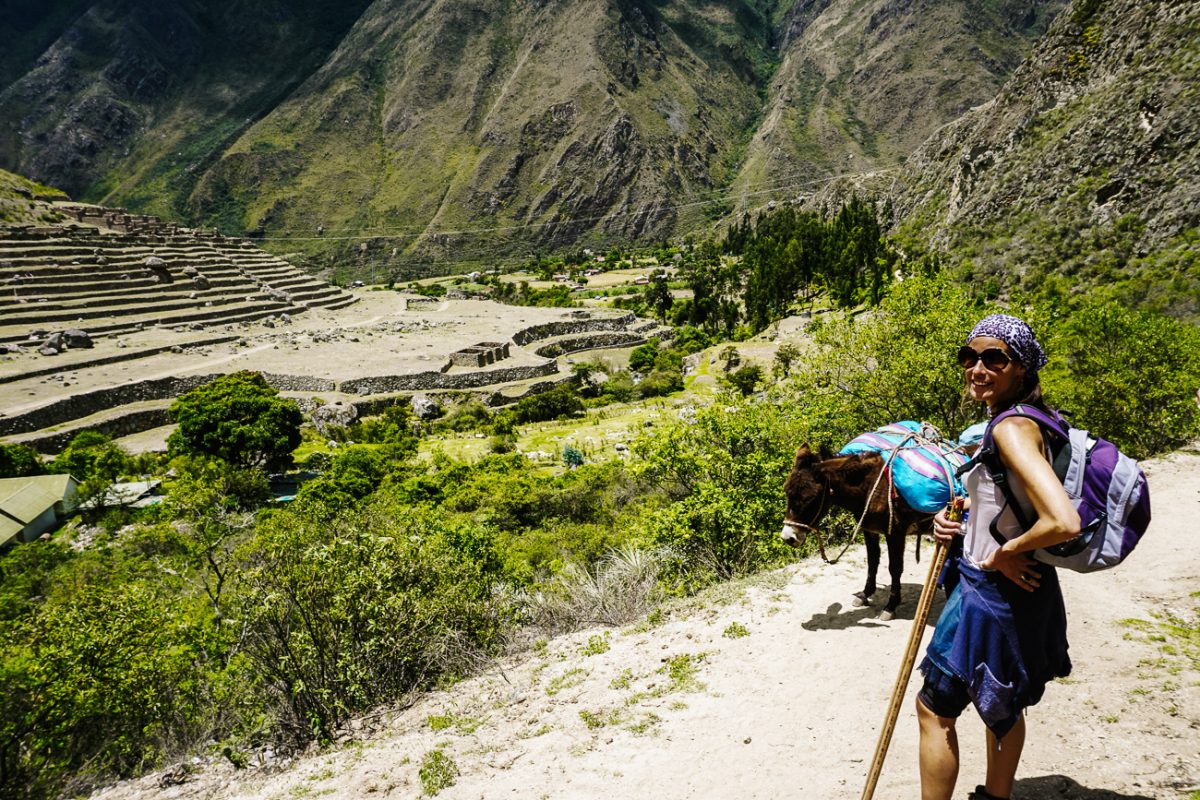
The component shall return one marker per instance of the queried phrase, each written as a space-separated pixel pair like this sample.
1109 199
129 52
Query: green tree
1120 373
746 379
658 295
238 419
17 461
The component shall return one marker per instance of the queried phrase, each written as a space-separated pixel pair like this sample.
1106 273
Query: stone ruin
480 355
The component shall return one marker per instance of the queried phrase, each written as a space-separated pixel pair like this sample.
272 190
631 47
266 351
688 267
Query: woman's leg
938 754
1002 759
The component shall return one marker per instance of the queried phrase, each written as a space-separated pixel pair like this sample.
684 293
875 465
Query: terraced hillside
136 273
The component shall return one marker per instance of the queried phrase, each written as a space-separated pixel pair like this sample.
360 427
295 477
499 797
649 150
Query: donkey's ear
826 452
803 455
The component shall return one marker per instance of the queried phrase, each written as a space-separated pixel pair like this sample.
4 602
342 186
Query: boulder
333 414
56 340
424 408
190 271
78 338
200 282
155 263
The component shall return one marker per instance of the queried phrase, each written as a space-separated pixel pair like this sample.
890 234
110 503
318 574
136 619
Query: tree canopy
238 419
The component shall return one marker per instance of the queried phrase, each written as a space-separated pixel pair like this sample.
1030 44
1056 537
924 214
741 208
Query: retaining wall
387 384
88 403
571 326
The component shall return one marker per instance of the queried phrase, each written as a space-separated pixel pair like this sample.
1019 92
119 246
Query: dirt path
791 708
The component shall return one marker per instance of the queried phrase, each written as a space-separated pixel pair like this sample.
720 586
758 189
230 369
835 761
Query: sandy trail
793 708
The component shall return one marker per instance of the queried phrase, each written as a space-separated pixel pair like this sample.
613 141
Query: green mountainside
1084 170
467 129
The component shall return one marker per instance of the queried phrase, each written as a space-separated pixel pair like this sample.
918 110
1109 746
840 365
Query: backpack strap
1056 439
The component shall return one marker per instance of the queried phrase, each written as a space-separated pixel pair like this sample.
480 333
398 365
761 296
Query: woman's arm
1019 443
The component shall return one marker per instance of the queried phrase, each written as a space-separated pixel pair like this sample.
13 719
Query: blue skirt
1003 643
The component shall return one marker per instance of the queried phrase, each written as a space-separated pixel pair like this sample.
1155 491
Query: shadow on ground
1060 787
839 618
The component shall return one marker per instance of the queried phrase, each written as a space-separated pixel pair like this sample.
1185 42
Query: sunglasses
993 358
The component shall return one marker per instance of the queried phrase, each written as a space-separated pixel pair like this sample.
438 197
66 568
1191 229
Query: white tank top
987 501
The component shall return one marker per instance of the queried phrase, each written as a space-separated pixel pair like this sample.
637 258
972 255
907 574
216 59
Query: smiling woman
1002 634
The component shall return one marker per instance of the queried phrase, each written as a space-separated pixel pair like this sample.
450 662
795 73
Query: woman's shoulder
1016 434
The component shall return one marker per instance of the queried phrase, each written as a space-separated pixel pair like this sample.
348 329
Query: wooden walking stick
910 657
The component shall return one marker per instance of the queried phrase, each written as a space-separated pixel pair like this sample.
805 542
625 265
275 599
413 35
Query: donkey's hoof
887 616
859 600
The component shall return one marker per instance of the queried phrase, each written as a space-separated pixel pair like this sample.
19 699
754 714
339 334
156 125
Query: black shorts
944 695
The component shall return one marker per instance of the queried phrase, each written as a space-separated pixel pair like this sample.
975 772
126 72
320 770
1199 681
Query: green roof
8 529
27 503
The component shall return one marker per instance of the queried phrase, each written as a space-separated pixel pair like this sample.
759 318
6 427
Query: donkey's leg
861 598
895 544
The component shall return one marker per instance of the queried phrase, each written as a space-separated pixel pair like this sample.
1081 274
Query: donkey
821 481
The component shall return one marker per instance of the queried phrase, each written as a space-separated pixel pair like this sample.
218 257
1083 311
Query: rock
424 408
200 282
102 260
10 348
56 341
286 319
47 350
155 263
190 271
331 414
78 338
268 322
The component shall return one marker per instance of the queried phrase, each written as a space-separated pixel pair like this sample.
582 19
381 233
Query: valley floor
774 687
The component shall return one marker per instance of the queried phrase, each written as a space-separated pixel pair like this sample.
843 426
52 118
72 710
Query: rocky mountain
1085 166
861 85
468 128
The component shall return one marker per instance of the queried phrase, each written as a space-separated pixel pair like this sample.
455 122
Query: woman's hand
1017 567
944 530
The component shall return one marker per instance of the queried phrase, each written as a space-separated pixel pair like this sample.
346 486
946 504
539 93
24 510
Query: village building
35 505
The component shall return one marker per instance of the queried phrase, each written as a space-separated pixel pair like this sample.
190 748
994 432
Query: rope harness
930 438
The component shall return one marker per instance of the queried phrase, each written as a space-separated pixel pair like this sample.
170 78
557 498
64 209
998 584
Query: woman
1002 633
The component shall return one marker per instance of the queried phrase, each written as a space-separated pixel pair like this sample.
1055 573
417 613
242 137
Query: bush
894 364
621 587
1122 374
724 471
17 461
746 379
104 684
344 616
561 401
643 356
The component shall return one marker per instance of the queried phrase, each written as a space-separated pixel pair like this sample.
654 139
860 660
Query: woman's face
994 386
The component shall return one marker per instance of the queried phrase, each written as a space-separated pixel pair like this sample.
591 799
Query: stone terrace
109 282
381 349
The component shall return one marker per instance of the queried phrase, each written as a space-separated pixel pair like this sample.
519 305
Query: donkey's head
807 490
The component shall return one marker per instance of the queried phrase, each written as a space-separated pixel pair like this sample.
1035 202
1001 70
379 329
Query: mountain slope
861 85
528 124
131 98
1086 165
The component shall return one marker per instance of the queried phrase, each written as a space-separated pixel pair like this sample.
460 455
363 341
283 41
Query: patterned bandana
1016 334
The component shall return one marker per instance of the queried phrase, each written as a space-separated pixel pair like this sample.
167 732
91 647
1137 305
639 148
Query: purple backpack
1107 487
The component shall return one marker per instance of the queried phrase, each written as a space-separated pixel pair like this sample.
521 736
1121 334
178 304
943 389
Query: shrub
1121 374
17 461
643 356
724 470
561 401
619 588
746 379
344 613
894 364
102 684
